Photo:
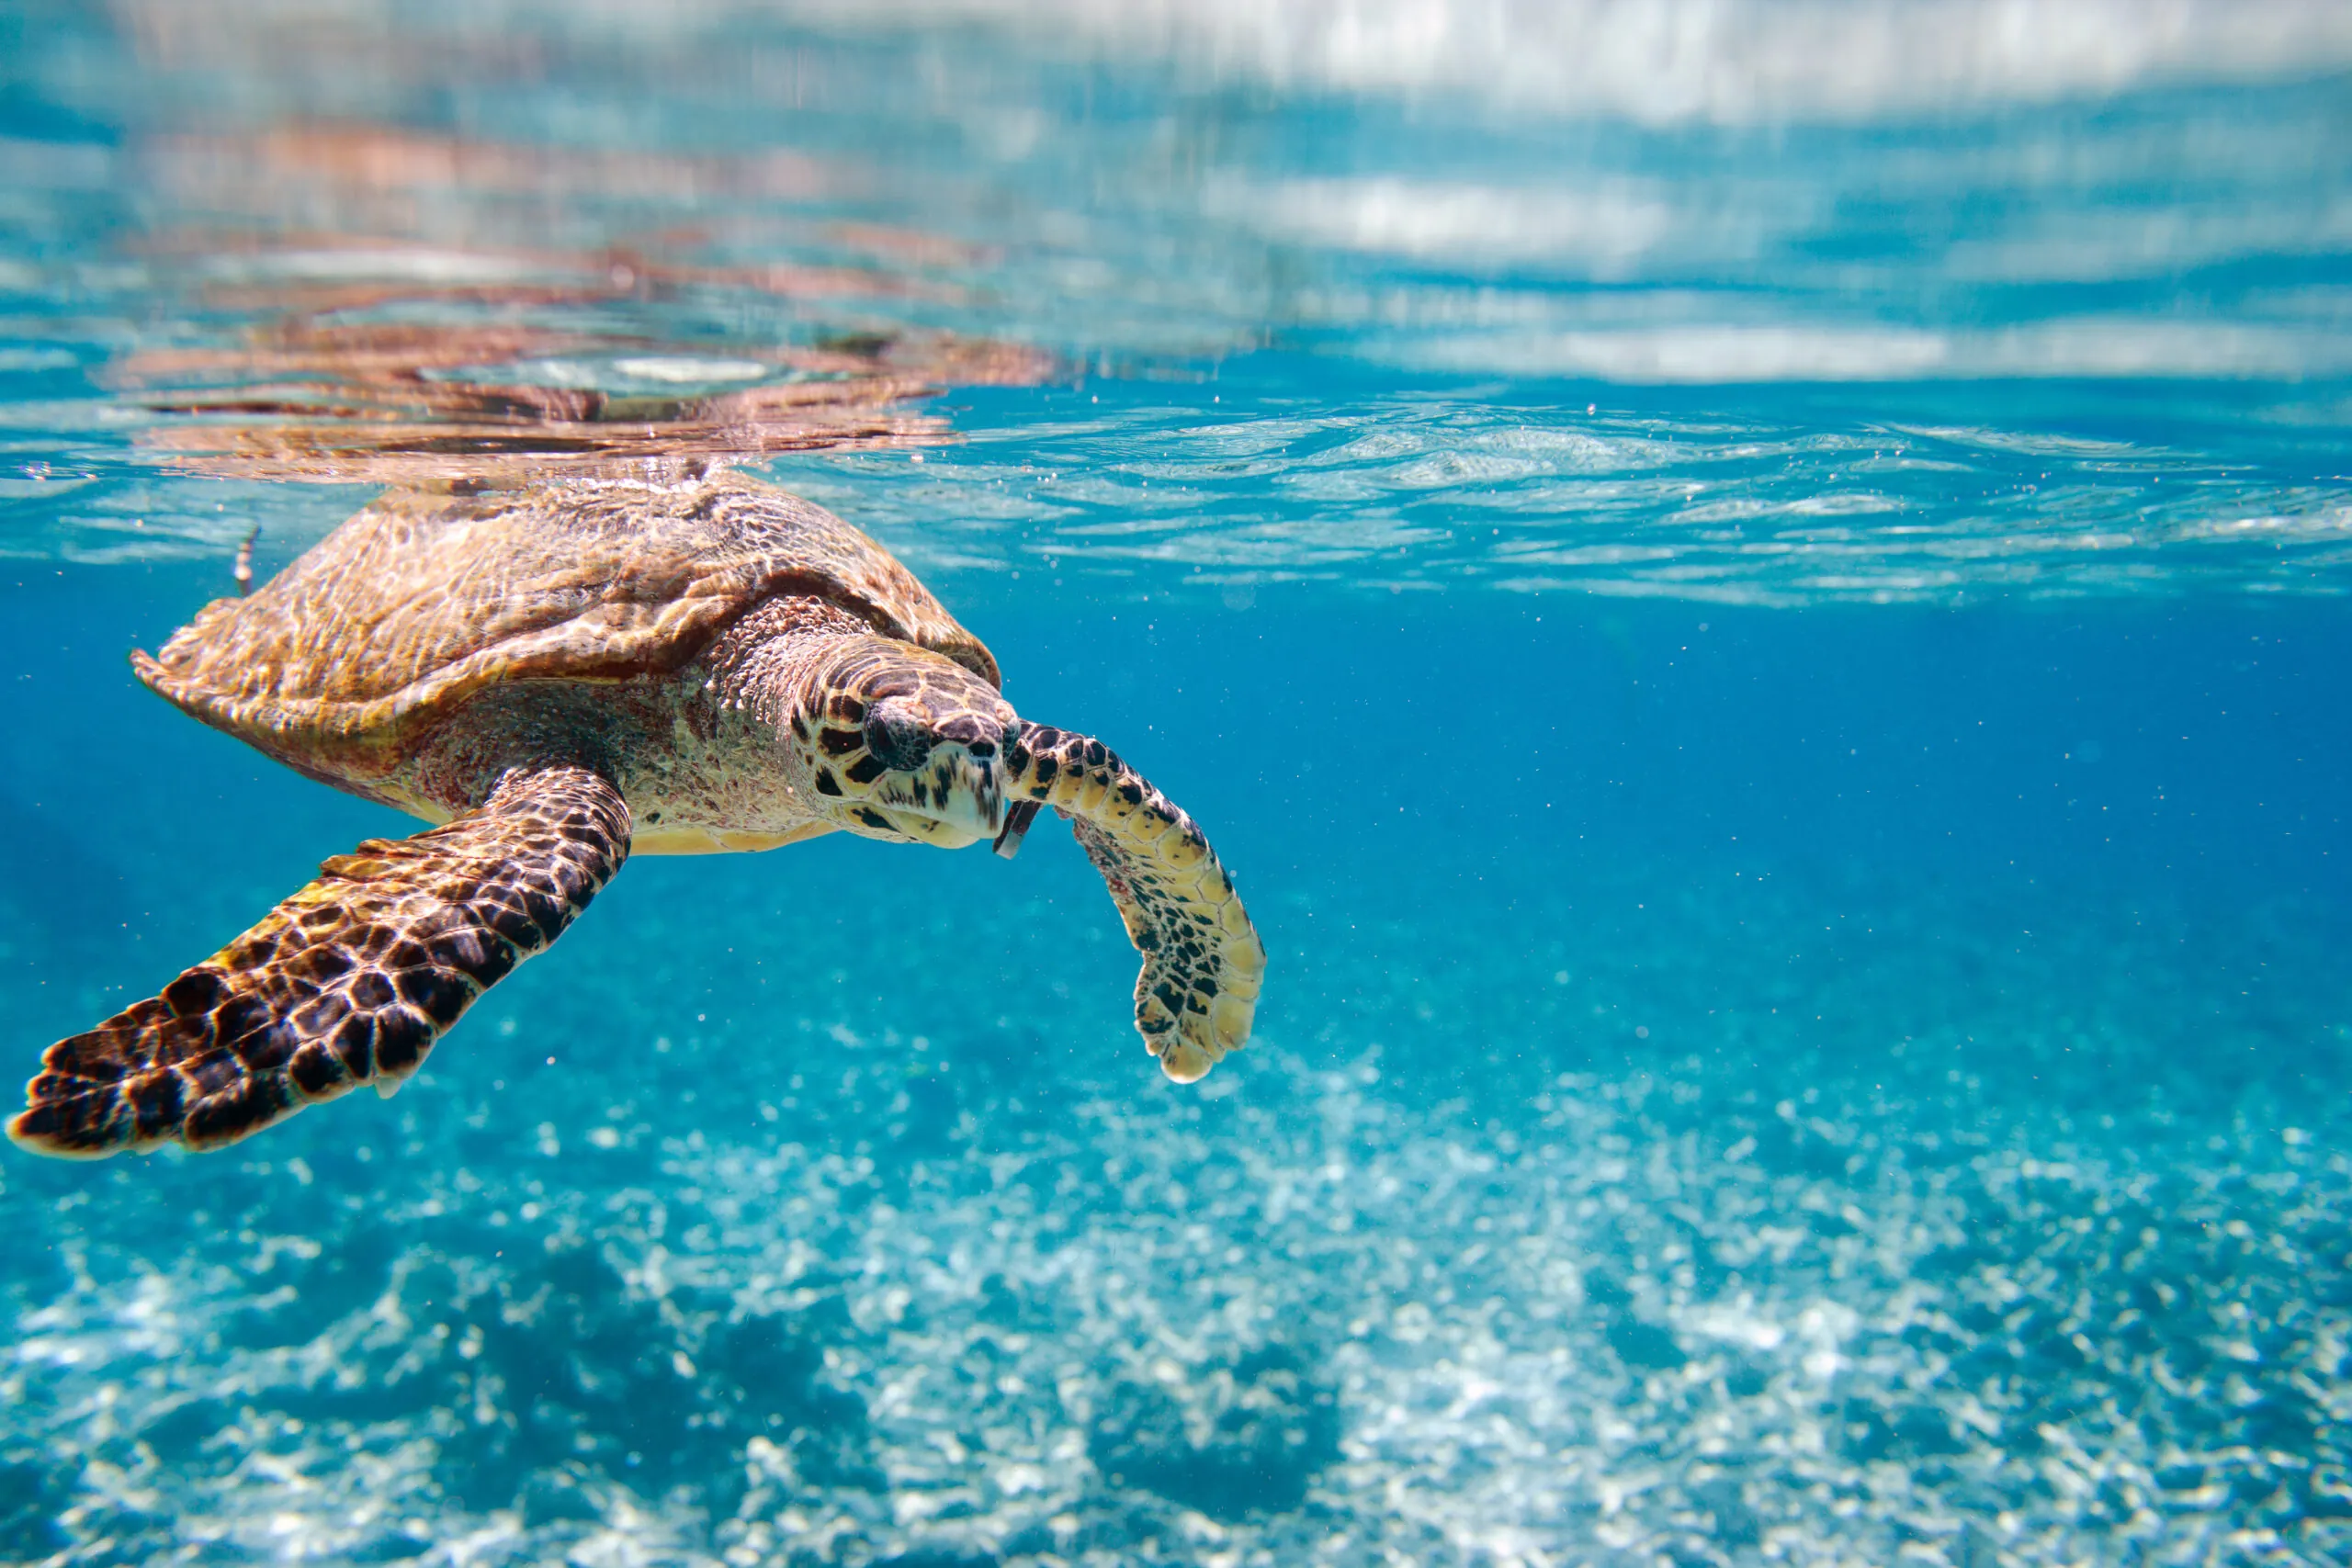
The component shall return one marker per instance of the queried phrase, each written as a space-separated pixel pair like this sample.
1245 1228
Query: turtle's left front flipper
1203 963
349 981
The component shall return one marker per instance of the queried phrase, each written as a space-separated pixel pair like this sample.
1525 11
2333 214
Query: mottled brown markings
298 1010
1169 888
344 660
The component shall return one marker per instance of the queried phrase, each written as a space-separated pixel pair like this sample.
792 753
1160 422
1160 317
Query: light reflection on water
327 244
1422 489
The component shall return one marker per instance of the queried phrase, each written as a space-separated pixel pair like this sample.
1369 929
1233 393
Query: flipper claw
1017 817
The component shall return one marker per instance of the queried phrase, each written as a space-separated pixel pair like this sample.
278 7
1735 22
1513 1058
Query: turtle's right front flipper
1203 962
349 981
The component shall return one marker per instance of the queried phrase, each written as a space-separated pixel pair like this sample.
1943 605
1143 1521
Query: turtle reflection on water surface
559 677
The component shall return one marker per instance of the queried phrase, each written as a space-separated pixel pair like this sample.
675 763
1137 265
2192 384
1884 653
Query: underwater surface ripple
1460 488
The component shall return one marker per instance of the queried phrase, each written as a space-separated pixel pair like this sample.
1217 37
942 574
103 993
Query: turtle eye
896 740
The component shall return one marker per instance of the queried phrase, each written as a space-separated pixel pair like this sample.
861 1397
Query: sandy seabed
1939 1245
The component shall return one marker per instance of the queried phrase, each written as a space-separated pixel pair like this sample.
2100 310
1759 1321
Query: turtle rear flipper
349 981
1203 963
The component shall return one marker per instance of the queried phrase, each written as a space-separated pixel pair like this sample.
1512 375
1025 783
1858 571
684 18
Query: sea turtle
559 677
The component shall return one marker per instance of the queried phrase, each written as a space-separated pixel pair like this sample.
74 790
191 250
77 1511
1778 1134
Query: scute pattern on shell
422 599
349 981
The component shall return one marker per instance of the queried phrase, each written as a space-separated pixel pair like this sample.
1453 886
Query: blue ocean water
1753 594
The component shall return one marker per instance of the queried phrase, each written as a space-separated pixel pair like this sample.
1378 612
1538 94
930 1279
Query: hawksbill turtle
561 676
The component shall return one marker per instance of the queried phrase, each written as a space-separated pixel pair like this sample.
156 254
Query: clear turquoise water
1755 598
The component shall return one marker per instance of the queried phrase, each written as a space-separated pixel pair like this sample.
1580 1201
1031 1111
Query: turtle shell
350 654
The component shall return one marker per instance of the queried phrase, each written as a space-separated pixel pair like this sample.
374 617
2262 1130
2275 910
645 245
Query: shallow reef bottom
1455 1269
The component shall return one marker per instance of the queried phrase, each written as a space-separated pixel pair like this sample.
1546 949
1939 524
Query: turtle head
903 744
